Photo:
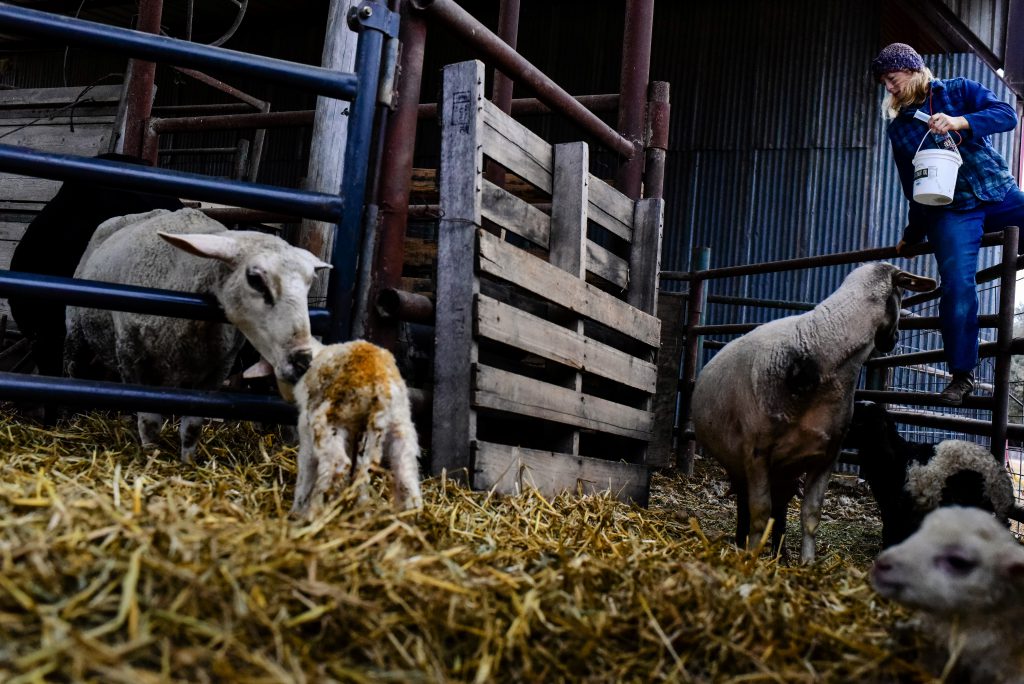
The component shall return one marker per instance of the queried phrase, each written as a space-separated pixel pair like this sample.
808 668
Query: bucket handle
929 132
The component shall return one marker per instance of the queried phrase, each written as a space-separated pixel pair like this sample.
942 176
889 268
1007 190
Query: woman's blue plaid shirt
984 176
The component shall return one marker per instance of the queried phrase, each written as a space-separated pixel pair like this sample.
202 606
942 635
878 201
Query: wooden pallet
541 378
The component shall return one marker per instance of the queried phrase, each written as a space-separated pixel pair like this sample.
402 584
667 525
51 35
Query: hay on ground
123 566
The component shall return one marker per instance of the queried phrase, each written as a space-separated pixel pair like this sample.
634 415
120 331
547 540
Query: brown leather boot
959 387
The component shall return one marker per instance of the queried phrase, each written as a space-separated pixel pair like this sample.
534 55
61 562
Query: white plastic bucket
935 174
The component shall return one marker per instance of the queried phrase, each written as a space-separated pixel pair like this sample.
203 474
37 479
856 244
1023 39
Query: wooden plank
515 215
12 230
511 470
603 263
504 261
645 254
39 191
671 306
6 253
516 147
504 391
611 209
506 324
454 423
86 140
44 97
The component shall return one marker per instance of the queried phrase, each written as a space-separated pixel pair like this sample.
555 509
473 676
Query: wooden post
567 246
461 184
645 254
330 134
699 261
666 396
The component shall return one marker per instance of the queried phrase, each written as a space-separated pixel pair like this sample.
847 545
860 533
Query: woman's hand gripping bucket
935 172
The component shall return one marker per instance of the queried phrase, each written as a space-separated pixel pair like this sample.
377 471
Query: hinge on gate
374 15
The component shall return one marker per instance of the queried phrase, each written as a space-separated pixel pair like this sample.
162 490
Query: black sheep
54 243
910 479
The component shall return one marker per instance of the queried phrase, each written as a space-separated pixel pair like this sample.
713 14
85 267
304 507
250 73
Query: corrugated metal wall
985 18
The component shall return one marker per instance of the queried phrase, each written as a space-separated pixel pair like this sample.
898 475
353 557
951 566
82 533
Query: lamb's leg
370 451
759 497
149 429
403 451
191 428
307 466
810 510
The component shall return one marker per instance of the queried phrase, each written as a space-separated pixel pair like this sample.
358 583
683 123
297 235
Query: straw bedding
124 566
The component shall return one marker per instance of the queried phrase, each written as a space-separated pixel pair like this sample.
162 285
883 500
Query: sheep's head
264 294
962 560
897 281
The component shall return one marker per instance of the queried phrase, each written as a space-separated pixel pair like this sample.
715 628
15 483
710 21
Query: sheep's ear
1011 566
209 245
909 281
317 263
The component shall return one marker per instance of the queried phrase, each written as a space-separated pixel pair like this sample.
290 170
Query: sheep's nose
299 361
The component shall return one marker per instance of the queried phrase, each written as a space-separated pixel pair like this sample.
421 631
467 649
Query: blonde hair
914 93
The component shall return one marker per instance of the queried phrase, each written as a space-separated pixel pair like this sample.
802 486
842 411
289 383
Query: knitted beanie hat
896 57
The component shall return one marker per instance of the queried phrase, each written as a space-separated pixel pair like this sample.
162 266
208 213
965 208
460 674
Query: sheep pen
121 565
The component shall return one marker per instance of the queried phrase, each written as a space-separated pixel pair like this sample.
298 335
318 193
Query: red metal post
508 31
141 76
657 140
396 172
636 68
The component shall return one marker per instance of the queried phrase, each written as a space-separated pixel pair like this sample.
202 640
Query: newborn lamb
353 403
964 571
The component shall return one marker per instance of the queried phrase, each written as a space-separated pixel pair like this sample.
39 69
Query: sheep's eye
256 282
956 563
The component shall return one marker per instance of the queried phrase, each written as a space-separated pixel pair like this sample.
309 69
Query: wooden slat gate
544 361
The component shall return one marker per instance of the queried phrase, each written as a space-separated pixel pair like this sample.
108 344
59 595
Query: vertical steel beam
635 72
501 95
657 140
1001 392
396 171
696 299
141 77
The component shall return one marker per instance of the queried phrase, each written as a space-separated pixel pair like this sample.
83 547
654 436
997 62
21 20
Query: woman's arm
986 113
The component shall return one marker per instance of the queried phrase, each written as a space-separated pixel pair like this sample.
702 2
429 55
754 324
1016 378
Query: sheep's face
888 333
961 560
265 293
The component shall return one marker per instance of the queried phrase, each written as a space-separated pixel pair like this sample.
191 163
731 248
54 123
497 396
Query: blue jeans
956 236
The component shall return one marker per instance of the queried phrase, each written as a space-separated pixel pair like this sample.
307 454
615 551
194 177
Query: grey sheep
774 404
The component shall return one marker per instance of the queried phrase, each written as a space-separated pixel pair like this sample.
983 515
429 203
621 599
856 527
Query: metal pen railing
1002 349
374 22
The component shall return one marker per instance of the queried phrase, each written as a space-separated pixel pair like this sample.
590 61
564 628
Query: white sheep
964 571
774 404
353 409
259 280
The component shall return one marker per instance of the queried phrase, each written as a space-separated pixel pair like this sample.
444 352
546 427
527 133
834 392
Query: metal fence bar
176 51
1004 339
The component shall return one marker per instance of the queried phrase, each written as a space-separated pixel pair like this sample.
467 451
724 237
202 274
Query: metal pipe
399 305
968 425
240 95
763 303
115 395
922 399
140 87
501 89
1004 339
634 74
985 350
347 238
915 323
164 181
982 276
179 52
231 122
531 105
501 56
657 140
396 169
700 258
117 297
875 254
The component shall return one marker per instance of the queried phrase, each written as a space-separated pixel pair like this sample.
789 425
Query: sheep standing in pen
774 404
910 479
353 410
259 280
964 571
